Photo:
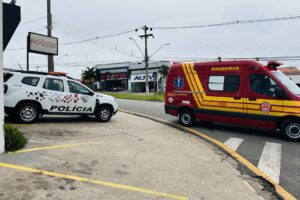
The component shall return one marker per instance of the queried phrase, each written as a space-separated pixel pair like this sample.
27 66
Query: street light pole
145 36
159 49
61 57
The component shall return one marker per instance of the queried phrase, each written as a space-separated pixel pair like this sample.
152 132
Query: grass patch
151 97
14 138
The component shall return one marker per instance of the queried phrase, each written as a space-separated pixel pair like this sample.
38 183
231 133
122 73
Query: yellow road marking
280 190
54 147
94 181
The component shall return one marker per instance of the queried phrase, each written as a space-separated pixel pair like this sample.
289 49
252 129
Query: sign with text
42 44
142 78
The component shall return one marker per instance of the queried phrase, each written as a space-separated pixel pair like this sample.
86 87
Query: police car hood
105 96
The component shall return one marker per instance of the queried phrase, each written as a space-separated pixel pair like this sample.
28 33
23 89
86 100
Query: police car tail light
5 88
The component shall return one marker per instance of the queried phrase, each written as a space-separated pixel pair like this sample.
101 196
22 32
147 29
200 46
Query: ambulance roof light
274 64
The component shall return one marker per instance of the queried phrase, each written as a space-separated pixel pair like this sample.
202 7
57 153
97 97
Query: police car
29 95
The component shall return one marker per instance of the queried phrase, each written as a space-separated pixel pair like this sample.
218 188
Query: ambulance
245 93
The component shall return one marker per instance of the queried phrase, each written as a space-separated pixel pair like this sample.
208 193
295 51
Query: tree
164 71
89 74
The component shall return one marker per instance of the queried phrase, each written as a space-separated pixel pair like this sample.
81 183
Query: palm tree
164 71
89 74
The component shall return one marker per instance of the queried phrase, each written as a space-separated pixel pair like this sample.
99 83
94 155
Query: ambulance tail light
5 88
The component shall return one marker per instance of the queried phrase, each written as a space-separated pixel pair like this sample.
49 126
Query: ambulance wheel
103 114
290 129
27 113
187 117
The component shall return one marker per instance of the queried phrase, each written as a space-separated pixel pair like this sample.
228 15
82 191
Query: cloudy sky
76 20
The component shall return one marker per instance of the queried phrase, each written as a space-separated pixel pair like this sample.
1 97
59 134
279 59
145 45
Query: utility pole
49 28
2 142
145 36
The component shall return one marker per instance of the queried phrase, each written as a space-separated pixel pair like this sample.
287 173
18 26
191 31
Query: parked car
29 95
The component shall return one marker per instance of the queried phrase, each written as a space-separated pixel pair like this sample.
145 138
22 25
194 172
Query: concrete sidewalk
128 158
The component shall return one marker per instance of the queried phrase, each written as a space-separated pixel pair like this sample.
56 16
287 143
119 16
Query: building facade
129 76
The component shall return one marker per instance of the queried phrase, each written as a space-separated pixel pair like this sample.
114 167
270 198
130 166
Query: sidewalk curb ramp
280 191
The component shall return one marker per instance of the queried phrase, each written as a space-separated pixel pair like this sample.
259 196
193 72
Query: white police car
29 95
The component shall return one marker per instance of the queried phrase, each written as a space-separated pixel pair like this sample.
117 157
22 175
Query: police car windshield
287 82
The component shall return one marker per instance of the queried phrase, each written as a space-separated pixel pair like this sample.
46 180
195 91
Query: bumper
8 110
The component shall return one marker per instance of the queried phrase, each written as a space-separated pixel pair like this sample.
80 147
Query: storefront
112 79
129 76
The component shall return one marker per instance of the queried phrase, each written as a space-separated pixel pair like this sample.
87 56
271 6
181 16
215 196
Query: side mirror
279 93
91 93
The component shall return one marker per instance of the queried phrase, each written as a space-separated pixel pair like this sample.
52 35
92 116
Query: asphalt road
272 154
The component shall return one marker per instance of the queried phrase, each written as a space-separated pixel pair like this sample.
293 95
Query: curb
280 191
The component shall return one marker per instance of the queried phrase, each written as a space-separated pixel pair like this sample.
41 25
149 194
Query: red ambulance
245 93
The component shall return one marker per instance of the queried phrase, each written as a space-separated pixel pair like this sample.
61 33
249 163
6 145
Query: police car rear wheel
290 129
187 117
27 113
104 114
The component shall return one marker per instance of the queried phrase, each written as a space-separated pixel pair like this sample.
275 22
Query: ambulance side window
54 84
263 84
226 83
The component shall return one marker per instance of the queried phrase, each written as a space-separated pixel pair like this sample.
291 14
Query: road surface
278 158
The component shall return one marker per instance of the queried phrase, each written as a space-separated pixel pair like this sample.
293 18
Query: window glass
54 84
227 83
77 88
263 84
287 82
33 81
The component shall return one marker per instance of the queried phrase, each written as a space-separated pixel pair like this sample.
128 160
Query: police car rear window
32 81
7 76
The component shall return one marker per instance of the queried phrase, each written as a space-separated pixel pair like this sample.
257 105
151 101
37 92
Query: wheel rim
186 118
28 113
104 114
293 130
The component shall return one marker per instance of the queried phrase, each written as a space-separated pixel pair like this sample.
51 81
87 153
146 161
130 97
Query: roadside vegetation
133 96
14 138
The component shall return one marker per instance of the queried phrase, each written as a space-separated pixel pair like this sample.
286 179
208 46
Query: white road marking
234 143
270 160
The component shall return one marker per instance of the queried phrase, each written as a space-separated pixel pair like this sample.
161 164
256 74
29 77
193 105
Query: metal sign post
2 143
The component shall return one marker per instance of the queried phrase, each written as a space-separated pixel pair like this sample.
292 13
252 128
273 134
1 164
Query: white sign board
42 44
142 78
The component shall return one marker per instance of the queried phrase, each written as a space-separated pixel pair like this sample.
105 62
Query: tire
290 129
27 113
103 114
187 117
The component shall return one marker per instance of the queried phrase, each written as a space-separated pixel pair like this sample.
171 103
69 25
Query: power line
237 22
32 20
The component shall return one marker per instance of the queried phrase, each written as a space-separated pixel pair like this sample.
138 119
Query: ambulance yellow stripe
194 83
190 85
197 78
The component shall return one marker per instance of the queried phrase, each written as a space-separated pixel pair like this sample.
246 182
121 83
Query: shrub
14 138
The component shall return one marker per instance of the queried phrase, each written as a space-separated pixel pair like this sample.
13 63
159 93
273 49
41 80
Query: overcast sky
76 20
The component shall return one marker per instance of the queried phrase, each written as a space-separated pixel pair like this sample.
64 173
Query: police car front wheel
290 129
186 117
27 113
103 114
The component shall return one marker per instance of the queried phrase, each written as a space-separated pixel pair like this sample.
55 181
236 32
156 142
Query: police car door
54 91
80 99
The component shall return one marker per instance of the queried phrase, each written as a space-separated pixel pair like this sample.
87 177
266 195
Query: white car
29 95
